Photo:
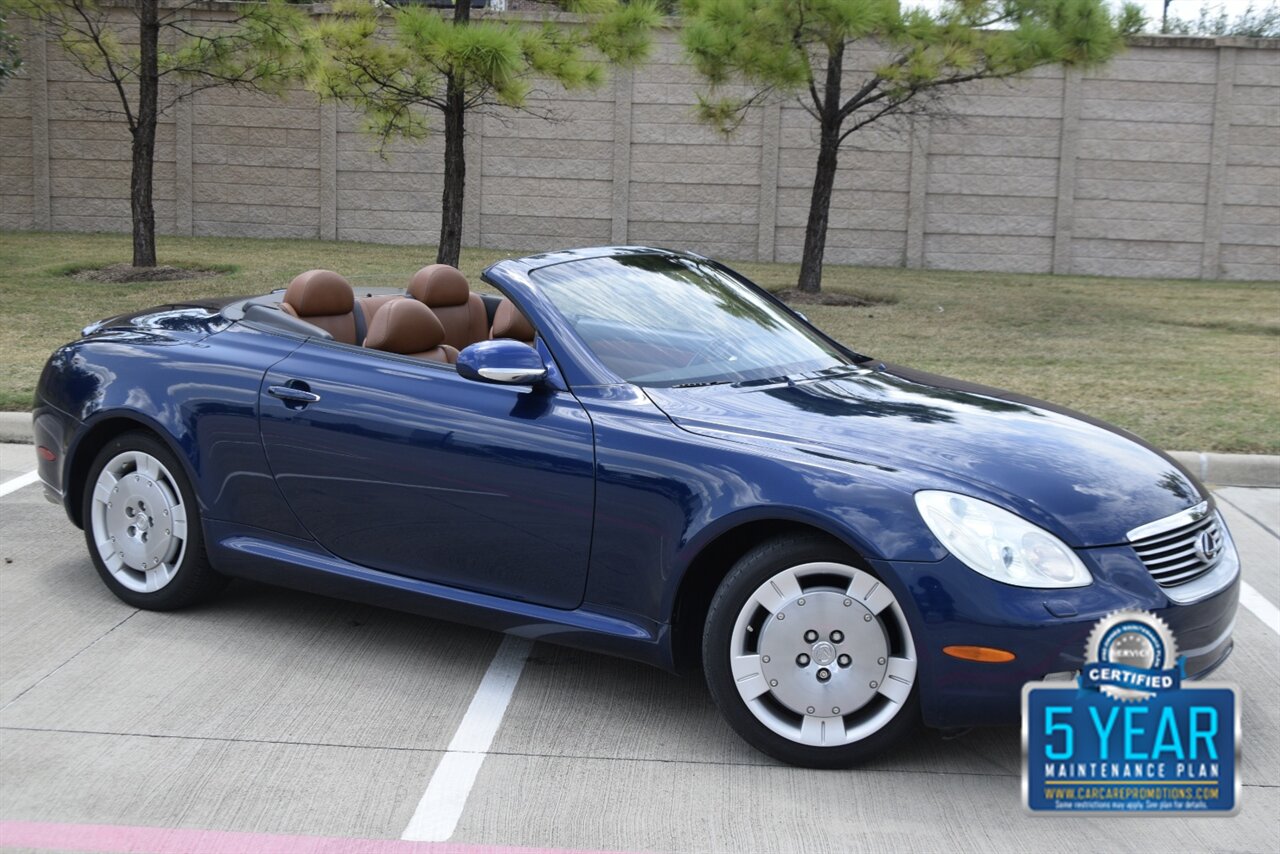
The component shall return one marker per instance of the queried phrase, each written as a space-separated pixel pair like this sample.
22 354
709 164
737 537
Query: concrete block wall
541 183
1164 163
254 172
20 137
687 184
1250 166
1146 125
991 193
380 196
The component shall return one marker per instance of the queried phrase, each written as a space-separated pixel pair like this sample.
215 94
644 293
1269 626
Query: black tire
751 571
194 579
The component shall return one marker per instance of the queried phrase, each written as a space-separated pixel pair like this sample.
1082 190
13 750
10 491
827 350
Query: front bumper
1045 629
53 429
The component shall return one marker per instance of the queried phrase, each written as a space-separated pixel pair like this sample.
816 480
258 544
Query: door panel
406 467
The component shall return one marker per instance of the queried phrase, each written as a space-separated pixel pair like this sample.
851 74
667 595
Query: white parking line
1260 605
446 796
18 482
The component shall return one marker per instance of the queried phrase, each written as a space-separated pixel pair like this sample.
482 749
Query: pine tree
801 49
399 64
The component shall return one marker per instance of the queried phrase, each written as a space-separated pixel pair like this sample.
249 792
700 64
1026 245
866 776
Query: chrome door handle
292 395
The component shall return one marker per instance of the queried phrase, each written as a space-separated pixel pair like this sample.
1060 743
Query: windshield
662 321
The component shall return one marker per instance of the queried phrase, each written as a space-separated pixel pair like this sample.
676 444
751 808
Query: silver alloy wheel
139 521
821 654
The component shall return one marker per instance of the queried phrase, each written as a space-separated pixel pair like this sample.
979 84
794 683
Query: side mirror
502 361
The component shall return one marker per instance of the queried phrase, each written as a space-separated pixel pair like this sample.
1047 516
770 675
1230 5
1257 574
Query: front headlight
999 544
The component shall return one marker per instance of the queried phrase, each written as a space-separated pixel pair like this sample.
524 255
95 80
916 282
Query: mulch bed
123 273
791 296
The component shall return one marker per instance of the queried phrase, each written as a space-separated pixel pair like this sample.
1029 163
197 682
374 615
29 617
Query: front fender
663 494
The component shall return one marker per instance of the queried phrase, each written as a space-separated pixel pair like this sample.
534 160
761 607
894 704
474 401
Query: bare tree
135 46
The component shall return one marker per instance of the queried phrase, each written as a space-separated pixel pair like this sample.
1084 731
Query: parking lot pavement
16 460
1253 516
276 712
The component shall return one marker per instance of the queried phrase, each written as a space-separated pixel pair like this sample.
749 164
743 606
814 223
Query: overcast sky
1188 9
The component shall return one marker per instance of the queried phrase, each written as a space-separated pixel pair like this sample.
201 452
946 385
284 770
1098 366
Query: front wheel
142 526
810 658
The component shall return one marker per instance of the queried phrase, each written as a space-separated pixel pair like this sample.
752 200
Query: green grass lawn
1188 365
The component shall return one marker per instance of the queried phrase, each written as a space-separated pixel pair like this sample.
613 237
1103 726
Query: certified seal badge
1131 655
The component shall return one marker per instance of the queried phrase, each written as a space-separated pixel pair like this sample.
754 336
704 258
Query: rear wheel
142 526
809 657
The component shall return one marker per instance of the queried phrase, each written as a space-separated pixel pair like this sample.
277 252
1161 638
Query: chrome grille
1181 548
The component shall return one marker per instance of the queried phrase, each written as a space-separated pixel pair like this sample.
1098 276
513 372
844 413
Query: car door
401 465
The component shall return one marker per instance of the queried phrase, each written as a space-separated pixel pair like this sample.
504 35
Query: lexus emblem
1206 548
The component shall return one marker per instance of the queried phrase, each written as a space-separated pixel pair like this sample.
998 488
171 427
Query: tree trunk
815 230
824 178
455 158
141 177
455 178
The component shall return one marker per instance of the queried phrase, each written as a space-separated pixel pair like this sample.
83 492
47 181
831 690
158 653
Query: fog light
988 654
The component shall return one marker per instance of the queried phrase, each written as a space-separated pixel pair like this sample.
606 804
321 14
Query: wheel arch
714 560
94 436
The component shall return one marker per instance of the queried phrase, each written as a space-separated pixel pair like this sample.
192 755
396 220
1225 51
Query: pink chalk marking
121 839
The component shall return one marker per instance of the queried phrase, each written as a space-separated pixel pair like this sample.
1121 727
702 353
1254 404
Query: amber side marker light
988 654
46 454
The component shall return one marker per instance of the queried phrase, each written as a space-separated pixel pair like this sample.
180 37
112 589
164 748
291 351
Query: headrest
439 285
404 326
508 322
319 293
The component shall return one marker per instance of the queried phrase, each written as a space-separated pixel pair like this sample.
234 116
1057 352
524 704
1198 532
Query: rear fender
200 398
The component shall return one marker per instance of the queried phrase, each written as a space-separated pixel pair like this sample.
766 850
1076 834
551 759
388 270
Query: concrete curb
16 427
1216 469
1232 469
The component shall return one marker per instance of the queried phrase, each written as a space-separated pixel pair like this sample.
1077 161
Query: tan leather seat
324 299
409 328
508 322
369 305
445 291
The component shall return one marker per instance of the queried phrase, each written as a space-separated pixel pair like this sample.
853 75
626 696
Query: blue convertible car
639 452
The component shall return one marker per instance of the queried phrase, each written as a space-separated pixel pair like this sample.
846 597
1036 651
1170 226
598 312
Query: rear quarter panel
195 388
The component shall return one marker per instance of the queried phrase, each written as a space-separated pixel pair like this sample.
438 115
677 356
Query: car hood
1084 480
